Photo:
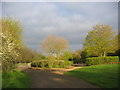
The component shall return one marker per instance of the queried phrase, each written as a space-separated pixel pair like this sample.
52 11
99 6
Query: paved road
47 79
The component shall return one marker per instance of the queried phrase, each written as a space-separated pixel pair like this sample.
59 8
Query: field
15 79
104 76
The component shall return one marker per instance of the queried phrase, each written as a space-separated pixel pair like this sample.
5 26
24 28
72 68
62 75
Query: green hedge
101 60
51 63
77 61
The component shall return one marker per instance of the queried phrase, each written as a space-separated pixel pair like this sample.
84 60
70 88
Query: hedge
101 60
51 63
79 61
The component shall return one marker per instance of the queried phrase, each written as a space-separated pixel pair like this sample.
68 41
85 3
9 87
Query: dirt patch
58 70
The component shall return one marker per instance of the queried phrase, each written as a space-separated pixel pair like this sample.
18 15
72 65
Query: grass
0 80
15 79
104 76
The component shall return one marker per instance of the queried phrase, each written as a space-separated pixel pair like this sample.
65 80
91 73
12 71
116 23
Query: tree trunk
101 55
104 54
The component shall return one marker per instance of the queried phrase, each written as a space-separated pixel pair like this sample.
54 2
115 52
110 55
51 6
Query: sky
70 20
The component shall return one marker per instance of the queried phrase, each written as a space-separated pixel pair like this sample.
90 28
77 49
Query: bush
101 60
78 61
51 63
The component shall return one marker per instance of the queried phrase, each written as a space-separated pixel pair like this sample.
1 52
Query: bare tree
54 45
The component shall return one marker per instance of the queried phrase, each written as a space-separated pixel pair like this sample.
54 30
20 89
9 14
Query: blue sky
69 20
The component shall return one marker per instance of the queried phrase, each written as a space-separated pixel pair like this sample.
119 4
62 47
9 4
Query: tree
116 47
76 55
11 41
84 54
67 55
28 55
117 41
100 41
54 45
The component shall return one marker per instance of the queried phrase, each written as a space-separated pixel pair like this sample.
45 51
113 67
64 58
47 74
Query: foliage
117 52
67 55
117 45
0 80
11 42
51 63
78 61
104 76
100 60
15 79
100 41
54 45
84 54
28 55
79 56
51 57
76 54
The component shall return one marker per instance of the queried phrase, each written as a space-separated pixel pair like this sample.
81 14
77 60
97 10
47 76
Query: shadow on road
48 79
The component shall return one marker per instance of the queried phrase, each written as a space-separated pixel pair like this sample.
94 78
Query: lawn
104 76
15 79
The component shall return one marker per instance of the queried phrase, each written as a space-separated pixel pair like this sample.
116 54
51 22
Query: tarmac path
45 78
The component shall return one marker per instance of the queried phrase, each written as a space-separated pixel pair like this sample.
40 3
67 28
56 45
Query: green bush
79 61
101 60
51 63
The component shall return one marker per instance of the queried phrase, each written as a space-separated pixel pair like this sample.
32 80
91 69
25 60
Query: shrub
101 60
79 61
51 63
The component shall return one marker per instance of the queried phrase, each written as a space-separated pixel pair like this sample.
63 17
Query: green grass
15 79
104 76
0 79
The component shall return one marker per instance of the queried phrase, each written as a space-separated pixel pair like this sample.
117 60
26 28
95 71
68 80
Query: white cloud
70 20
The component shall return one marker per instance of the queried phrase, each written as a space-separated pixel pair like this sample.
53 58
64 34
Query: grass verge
15 79
104 76
0 79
